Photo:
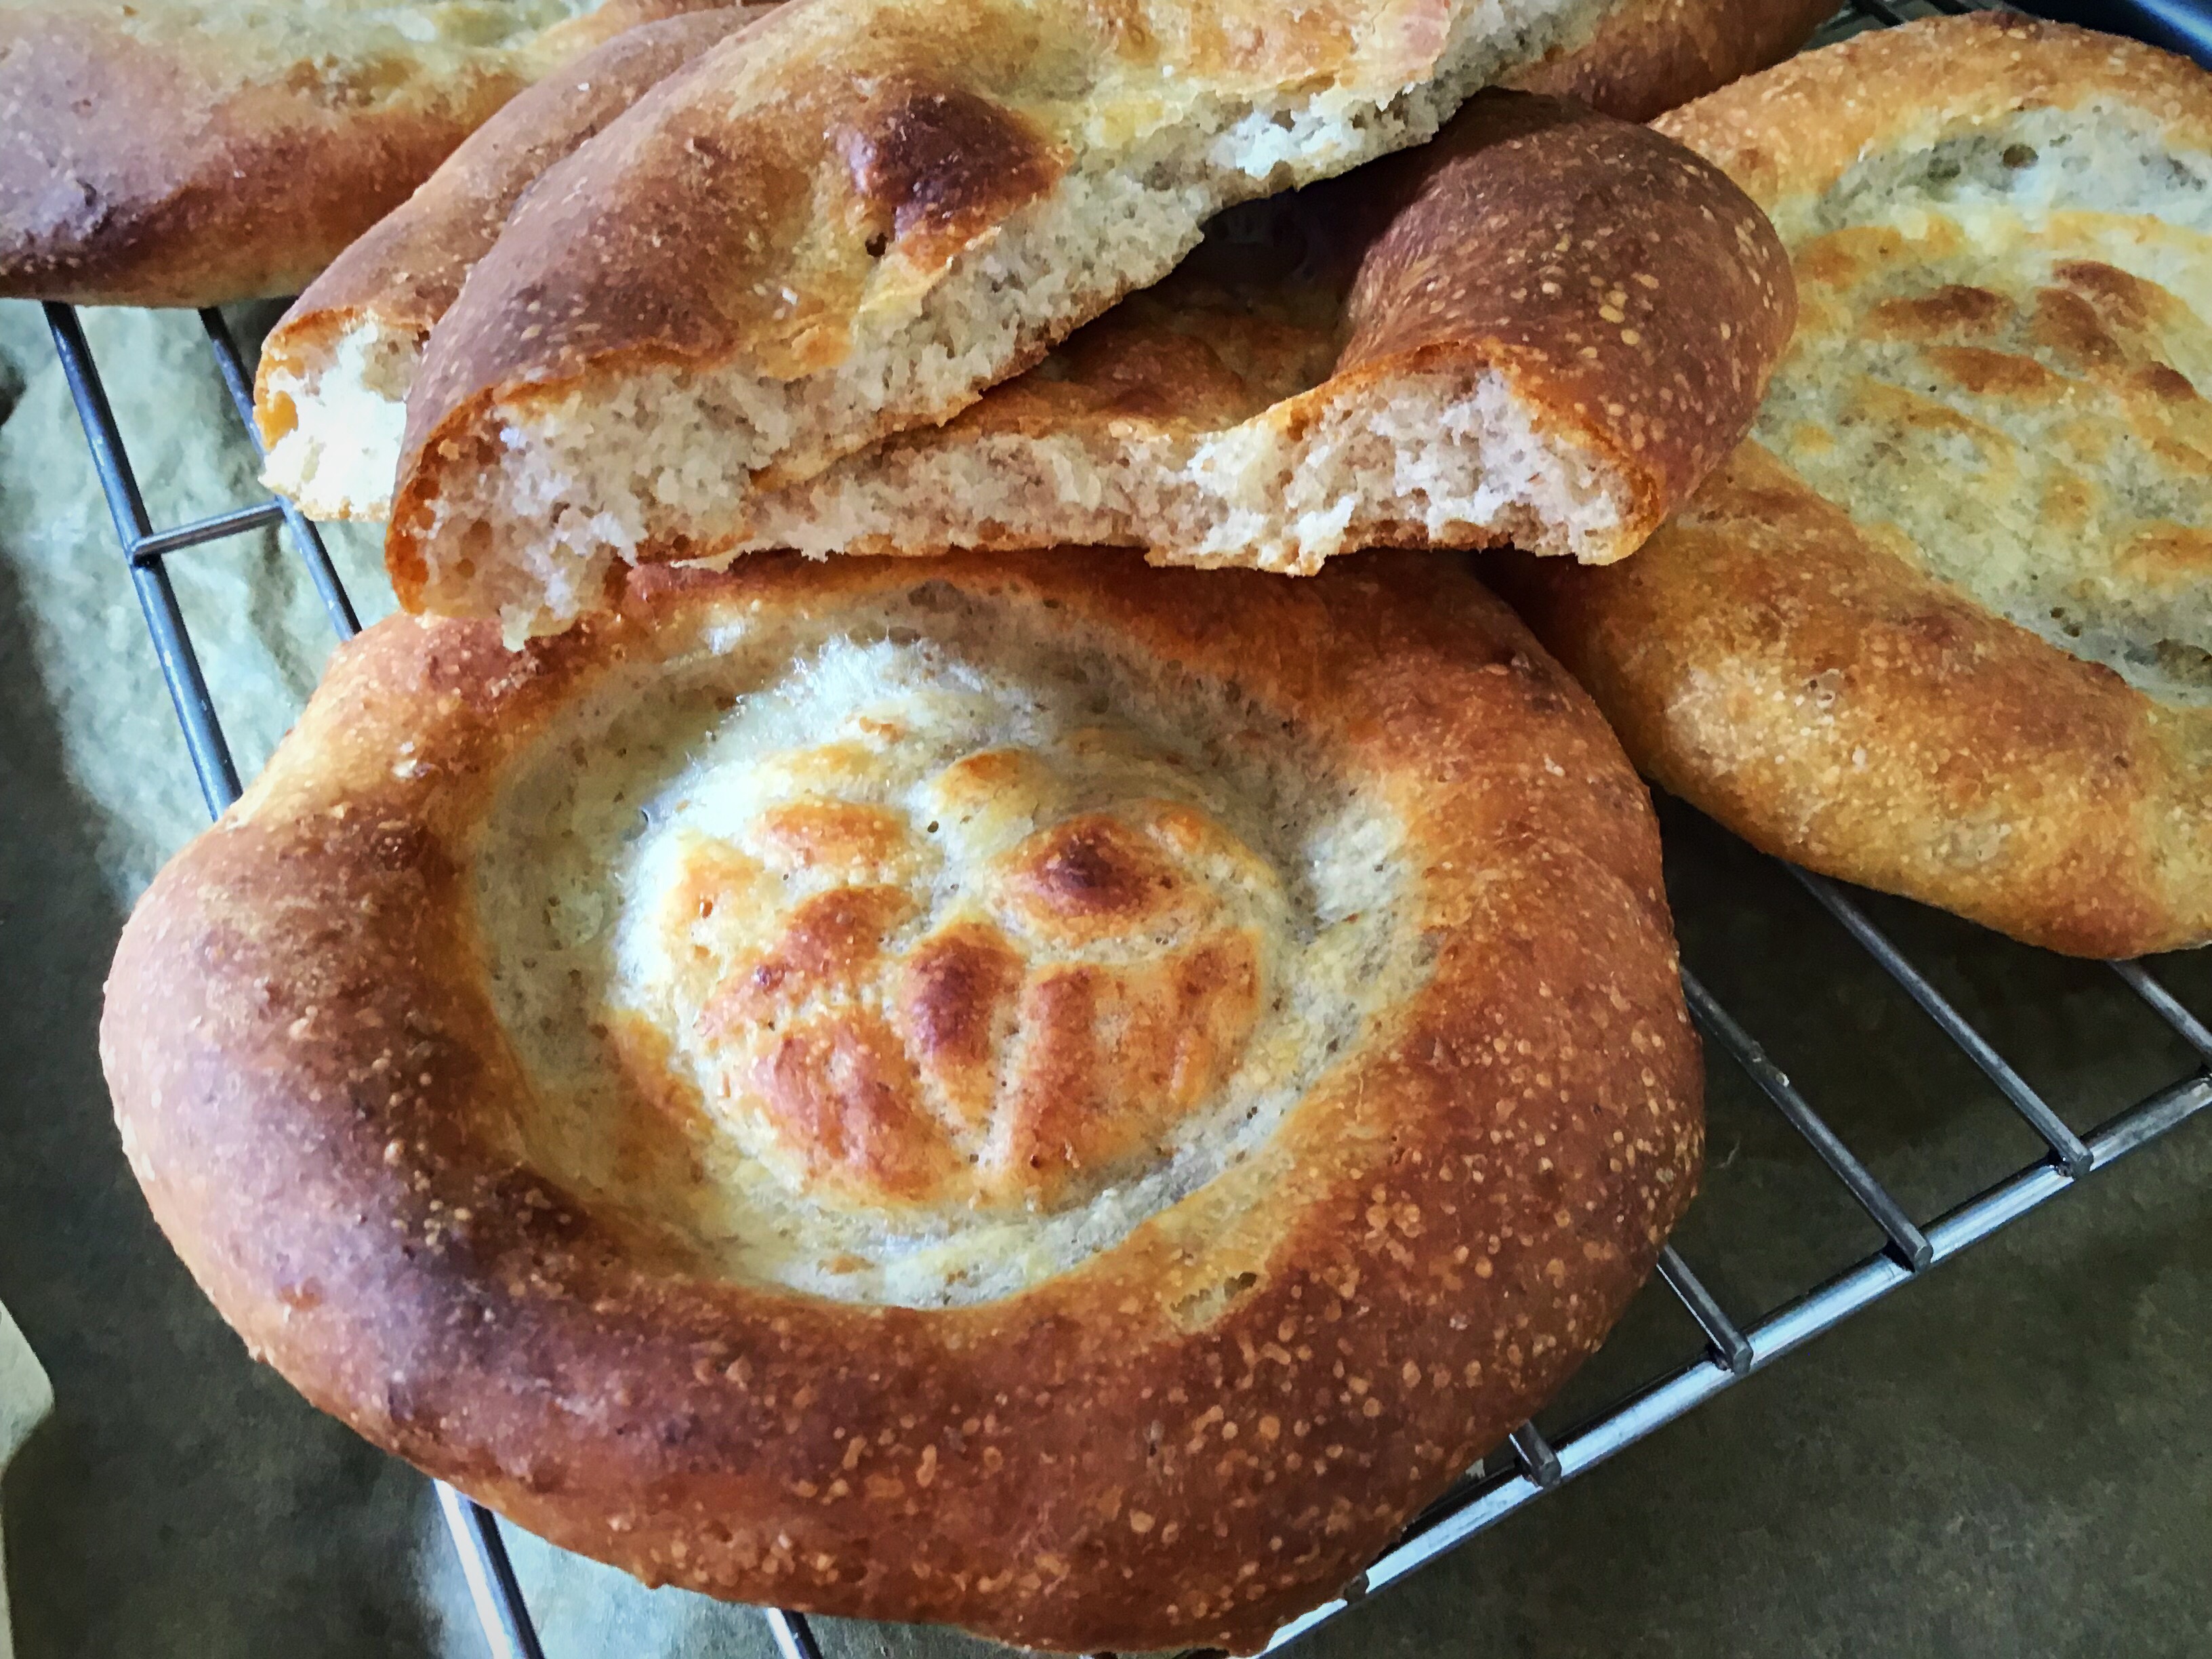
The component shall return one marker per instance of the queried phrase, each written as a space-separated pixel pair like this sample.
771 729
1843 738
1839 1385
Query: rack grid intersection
1533 1465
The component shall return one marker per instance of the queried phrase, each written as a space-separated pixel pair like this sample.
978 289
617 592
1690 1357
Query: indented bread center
919 963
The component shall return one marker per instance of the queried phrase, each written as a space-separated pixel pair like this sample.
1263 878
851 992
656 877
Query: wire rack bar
238 381
490 1574
1904 1237
1494 1489
1730 1346
792 1635
1483 1503
157 596
217 527
2068 1147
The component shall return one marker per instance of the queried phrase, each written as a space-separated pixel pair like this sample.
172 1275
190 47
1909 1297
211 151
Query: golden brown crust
1812 671
1764 660
1652 55
1192 1435
147 161
403 273
1626 292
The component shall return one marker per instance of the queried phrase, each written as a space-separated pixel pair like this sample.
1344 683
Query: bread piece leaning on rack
173 154
336 372
853 222
1037 1093
1944 626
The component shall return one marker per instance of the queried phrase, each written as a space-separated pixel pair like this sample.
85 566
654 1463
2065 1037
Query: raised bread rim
1798 128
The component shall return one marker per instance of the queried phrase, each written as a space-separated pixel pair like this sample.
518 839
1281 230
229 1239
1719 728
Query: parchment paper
26 1397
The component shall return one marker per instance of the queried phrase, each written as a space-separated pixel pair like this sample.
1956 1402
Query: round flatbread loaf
195 152
1040 1093
1944 625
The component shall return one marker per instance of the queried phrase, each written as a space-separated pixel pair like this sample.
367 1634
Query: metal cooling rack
1536 1465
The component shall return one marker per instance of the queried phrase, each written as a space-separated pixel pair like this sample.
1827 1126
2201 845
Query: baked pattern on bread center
949 972
1997 362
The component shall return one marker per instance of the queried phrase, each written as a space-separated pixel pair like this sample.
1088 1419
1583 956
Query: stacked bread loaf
1070 1081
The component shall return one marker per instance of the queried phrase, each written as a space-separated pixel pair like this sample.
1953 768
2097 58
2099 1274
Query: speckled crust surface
1938 627
193 153
1186 1436
1627 298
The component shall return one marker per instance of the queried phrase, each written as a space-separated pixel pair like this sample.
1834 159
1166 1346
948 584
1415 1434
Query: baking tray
1726 1346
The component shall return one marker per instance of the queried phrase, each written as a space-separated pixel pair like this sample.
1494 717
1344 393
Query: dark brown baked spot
1998 373
838 1092
2067 325
828 941
939 165
956 993
1952 309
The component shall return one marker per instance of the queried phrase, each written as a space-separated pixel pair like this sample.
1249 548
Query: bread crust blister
1940 626
1176 1423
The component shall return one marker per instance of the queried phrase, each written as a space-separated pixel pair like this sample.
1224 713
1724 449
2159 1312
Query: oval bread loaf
173 154
1035 1093
1944 626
